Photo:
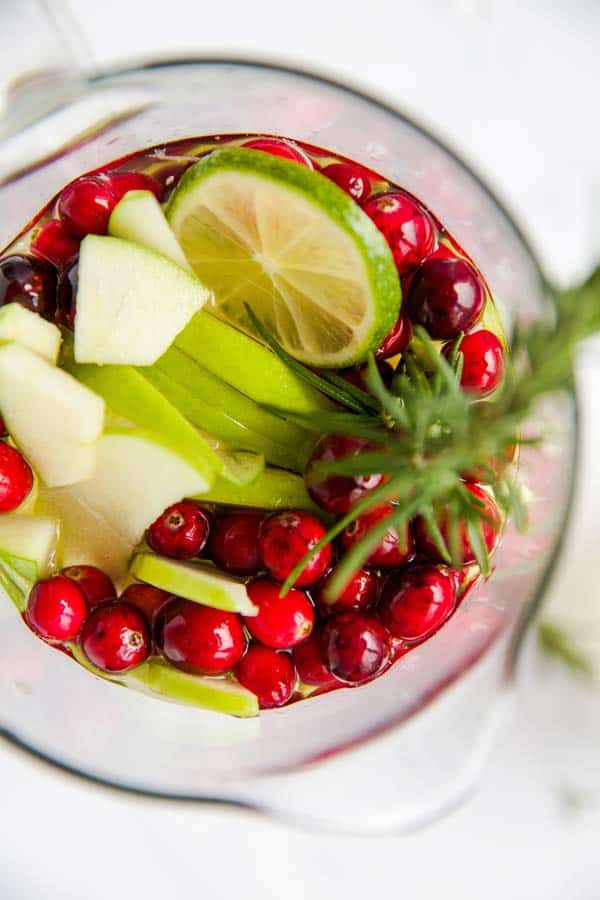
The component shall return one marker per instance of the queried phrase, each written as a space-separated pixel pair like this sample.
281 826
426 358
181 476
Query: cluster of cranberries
400 598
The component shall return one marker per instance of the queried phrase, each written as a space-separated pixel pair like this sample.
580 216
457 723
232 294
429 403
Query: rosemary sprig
429 432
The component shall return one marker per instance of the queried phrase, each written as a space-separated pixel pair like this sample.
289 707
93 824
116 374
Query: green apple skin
192 388
52 418
135 479
29 329
131 302
273 489
247 365
216 422
139 218
129 394
159 679
28 547
241 467
14 583
198 582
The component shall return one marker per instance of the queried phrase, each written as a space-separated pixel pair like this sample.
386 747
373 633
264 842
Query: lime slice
292 245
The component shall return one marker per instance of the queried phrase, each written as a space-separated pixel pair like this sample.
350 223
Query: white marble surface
512 86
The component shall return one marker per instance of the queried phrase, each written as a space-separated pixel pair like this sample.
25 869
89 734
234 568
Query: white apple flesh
131 302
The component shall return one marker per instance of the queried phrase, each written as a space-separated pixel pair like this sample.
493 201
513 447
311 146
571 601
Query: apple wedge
53 419
131 302
159 679
192 388
30 538
136 478
27 550
198 582
139 218
247 365
28 329
131 395
217 422
85 537
272 489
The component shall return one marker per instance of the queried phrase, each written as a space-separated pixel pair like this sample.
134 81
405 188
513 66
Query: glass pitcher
399 751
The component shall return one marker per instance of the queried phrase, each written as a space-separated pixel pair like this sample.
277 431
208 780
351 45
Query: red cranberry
281 622
338 493
490 529
116 637
276 147
30 281
85 205
285 538
146 597
360 592
122 182
406 225
357 375
356 647
54 243
181 531
446 297
267 673
351 178
309 663
397 340
3 428
16 478
199 639
234 542
388 554
56 609
483 362
96 586
414 603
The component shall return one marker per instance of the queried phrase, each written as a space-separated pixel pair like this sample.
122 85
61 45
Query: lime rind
381 285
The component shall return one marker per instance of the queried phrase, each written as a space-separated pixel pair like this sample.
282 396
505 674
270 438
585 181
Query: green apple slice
30 330
51 417
31 538
85 536
14 582
139 218
158 678
129 394
198 582
224 695
136 478
240 467
184 374
272 489
27 552
296 248
207 414
131 302
247 365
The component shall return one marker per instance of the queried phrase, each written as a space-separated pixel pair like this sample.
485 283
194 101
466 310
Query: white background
513 86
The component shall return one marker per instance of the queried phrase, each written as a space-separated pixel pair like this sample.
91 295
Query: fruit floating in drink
192 339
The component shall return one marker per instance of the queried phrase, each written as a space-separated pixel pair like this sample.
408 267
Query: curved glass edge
514 651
